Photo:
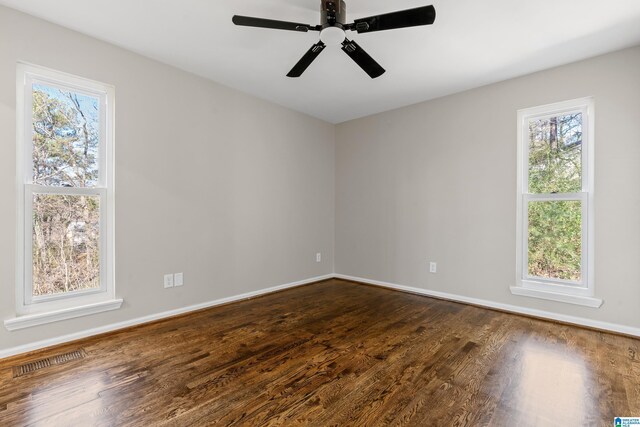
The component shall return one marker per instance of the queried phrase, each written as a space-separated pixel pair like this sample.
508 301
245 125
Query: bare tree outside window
66 228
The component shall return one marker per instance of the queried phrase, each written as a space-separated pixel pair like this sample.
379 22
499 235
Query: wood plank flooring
333 353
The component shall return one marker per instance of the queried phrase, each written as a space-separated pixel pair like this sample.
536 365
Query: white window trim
32 311
557 290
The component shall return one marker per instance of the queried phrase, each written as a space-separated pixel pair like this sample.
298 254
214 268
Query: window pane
66 137
555 240
66 242
555 154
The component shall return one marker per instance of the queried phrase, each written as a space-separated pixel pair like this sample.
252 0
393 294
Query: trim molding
29 320
152 317
572 320
577 321
556 296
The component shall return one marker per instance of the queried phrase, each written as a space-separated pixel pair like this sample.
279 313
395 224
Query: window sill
556 296
30 320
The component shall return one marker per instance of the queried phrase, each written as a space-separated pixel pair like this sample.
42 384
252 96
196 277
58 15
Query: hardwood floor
333 353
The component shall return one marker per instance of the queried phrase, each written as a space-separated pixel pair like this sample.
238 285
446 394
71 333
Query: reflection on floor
334 353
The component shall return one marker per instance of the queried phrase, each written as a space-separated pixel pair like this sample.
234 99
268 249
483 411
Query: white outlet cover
168 281
319 257
178 279
433 267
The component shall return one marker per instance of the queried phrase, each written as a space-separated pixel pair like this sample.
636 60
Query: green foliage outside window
555 227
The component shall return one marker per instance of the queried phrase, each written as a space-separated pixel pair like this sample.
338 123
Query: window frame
72 303
582 293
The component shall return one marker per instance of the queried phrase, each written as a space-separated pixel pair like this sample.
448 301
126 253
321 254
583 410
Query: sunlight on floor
550 383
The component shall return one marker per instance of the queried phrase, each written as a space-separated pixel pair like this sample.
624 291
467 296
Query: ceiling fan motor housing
333 13
332 30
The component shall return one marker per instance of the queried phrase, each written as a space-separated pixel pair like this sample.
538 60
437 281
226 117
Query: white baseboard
579 321
442 295
152 317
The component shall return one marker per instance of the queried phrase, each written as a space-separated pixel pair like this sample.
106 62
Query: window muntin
66 191
555 243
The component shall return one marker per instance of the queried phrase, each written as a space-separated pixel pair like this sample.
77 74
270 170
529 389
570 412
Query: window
555 203
65 192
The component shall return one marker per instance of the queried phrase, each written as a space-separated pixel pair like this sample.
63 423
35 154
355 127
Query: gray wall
239 194
235 192
436 181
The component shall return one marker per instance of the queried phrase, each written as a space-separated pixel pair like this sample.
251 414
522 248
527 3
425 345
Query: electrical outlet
433 267
178 279
319 257
168 281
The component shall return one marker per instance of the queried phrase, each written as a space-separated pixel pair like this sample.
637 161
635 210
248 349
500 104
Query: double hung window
65 195
555 202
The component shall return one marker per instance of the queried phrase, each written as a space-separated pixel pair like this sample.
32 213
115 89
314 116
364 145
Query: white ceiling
472 43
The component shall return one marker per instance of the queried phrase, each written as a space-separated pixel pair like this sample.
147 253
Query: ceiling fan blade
425 15
307 59
362 58
248 21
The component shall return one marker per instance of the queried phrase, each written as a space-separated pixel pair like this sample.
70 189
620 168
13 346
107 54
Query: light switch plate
178 279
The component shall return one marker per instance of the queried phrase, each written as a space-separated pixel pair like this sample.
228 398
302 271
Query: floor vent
60 359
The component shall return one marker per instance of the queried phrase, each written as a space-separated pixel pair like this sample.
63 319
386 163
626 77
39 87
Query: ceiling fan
333 28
